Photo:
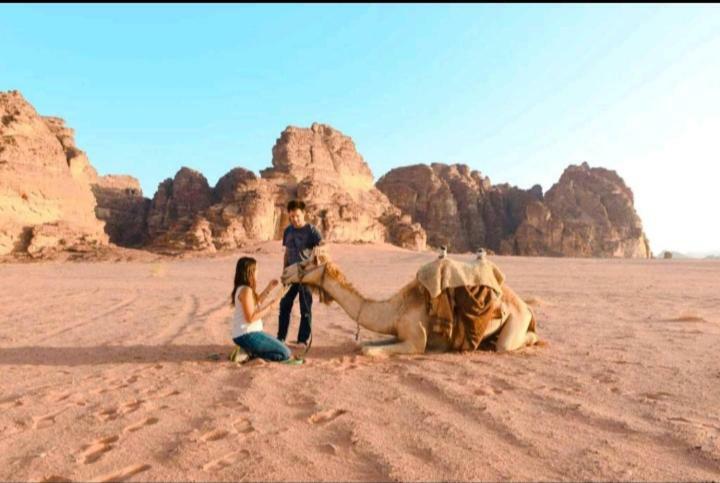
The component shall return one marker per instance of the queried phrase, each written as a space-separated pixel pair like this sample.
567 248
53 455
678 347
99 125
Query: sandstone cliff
317 164
52 199
589 212
46 203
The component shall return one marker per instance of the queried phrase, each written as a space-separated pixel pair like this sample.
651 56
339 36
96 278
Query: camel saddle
461 299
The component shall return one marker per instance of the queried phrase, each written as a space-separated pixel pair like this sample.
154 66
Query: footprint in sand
325 416
300 401
656 396
108 414
328 448
55 479
607 377
10 403
92 452
131 406
58 396
243 425
40 422
122 474
138 426
214 435
487 391
168 393
226 460
680 419
346 363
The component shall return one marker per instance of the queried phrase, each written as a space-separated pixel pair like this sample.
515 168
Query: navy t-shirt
298 239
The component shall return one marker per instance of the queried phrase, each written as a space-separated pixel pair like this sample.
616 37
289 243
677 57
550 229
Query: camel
404 315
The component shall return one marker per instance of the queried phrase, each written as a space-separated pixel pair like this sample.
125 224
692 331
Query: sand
106 375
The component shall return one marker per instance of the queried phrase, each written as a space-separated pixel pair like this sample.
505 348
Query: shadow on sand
139 354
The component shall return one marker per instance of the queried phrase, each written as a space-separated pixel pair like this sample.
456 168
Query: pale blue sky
516 91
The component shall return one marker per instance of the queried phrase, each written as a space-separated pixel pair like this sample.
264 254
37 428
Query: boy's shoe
238 355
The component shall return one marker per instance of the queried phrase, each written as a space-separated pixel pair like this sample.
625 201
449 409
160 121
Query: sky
517 92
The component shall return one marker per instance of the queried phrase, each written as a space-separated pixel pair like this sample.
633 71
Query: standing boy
298 236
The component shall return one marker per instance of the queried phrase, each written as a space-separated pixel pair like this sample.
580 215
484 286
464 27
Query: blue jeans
264 346
305 312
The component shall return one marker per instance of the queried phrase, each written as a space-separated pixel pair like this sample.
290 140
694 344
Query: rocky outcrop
123 208
46 203
119 199
175 207
457 206
589 212
52 199
319 153
319 165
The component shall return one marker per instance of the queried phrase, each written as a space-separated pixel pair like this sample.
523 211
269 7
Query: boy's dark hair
296 205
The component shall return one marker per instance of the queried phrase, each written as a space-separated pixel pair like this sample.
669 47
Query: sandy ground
106 376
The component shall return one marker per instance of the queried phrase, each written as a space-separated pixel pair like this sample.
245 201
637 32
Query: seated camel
404 315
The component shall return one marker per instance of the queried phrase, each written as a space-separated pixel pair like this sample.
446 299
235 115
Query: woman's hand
271 285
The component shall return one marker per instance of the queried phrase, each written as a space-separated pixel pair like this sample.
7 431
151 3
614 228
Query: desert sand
107 374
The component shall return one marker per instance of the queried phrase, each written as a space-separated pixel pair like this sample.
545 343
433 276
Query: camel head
310 271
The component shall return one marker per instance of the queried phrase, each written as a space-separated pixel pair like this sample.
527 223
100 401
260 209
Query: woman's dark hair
244 275
296 205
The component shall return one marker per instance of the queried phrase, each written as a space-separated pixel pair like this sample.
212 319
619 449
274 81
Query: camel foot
391 349
374 352
531 338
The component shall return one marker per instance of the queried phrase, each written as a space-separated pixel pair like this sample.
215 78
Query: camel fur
404 316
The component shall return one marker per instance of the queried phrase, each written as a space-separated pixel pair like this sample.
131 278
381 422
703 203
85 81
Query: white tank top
240 324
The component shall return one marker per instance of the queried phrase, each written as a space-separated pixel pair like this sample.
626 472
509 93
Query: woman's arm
253 311
271 285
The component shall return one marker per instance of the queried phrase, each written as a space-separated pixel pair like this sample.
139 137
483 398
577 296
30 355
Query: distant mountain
696 255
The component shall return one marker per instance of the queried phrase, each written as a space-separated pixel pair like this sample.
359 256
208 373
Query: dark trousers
286 305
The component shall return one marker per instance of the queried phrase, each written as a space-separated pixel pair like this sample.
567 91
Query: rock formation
118 198
52 199
457 206
589 212
46 203
121 205
319 165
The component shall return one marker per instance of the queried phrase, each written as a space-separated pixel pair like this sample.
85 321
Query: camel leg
406 347
413 341
373 343
515 333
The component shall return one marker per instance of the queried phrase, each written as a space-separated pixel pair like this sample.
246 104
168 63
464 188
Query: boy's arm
285 254
316 238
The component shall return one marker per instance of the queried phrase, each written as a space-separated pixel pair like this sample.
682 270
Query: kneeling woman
250 308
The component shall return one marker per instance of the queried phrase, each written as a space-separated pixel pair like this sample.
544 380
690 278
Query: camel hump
444 273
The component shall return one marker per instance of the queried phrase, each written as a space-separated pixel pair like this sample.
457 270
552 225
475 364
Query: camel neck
377 316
